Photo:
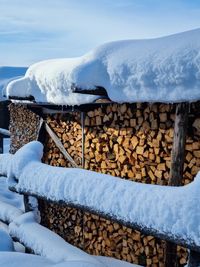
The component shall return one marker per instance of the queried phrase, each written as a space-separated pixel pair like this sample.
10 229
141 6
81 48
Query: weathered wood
177 166
83 138
133 225
99 91
60 145
27 98
178 149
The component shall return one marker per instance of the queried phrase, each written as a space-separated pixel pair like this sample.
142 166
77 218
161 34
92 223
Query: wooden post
1 144
83 138
177 165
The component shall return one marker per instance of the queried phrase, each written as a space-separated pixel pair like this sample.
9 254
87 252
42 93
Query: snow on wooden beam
4 132
167 236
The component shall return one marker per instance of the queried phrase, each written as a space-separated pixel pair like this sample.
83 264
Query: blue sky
35 30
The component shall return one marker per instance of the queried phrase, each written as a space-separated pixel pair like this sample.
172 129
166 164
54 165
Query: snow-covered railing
159 210
4 132
170 213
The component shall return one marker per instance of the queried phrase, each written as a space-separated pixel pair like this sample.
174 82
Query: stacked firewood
24 125
132 141
128 141
66 222
68 129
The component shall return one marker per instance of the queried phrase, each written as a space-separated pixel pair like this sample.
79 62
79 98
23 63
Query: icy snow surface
6 243
173 210
11 204
45 242
9 259
165 69
51 246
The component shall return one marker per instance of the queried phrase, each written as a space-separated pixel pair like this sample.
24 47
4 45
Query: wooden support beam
60 145
27 98
178 149
177 164
83 138
98 91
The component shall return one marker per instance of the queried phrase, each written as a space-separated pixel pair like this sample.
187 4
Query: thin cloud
37 30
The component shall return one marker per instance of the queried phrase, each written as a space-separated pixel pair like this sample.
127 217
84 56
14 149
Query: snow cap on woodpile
165 69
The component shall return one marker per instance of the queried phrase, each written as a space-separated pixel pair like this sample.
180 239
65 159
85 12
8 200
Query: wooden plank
130 224
99 91
1 144
177 164
83 138
60 145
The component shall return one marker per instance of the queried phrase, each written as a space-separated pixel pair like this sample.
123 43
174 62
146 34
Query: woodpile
24 125
68 129
66 222
132 141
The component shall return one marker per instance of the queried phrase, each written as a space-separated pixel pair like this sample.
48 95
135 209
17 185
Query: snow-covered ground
7 74
165 69
6 145
10 259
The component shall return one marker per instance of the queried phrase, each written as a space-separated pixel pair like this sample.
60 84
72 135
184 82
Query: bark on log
177 166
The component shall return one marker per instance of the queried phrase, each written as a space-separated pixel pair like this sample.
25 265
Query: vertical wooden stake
178 149
83 138
177 165
1 144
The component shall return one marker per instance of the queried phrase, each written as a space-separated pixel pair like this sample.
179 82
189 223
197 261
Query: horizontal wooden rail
190 244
